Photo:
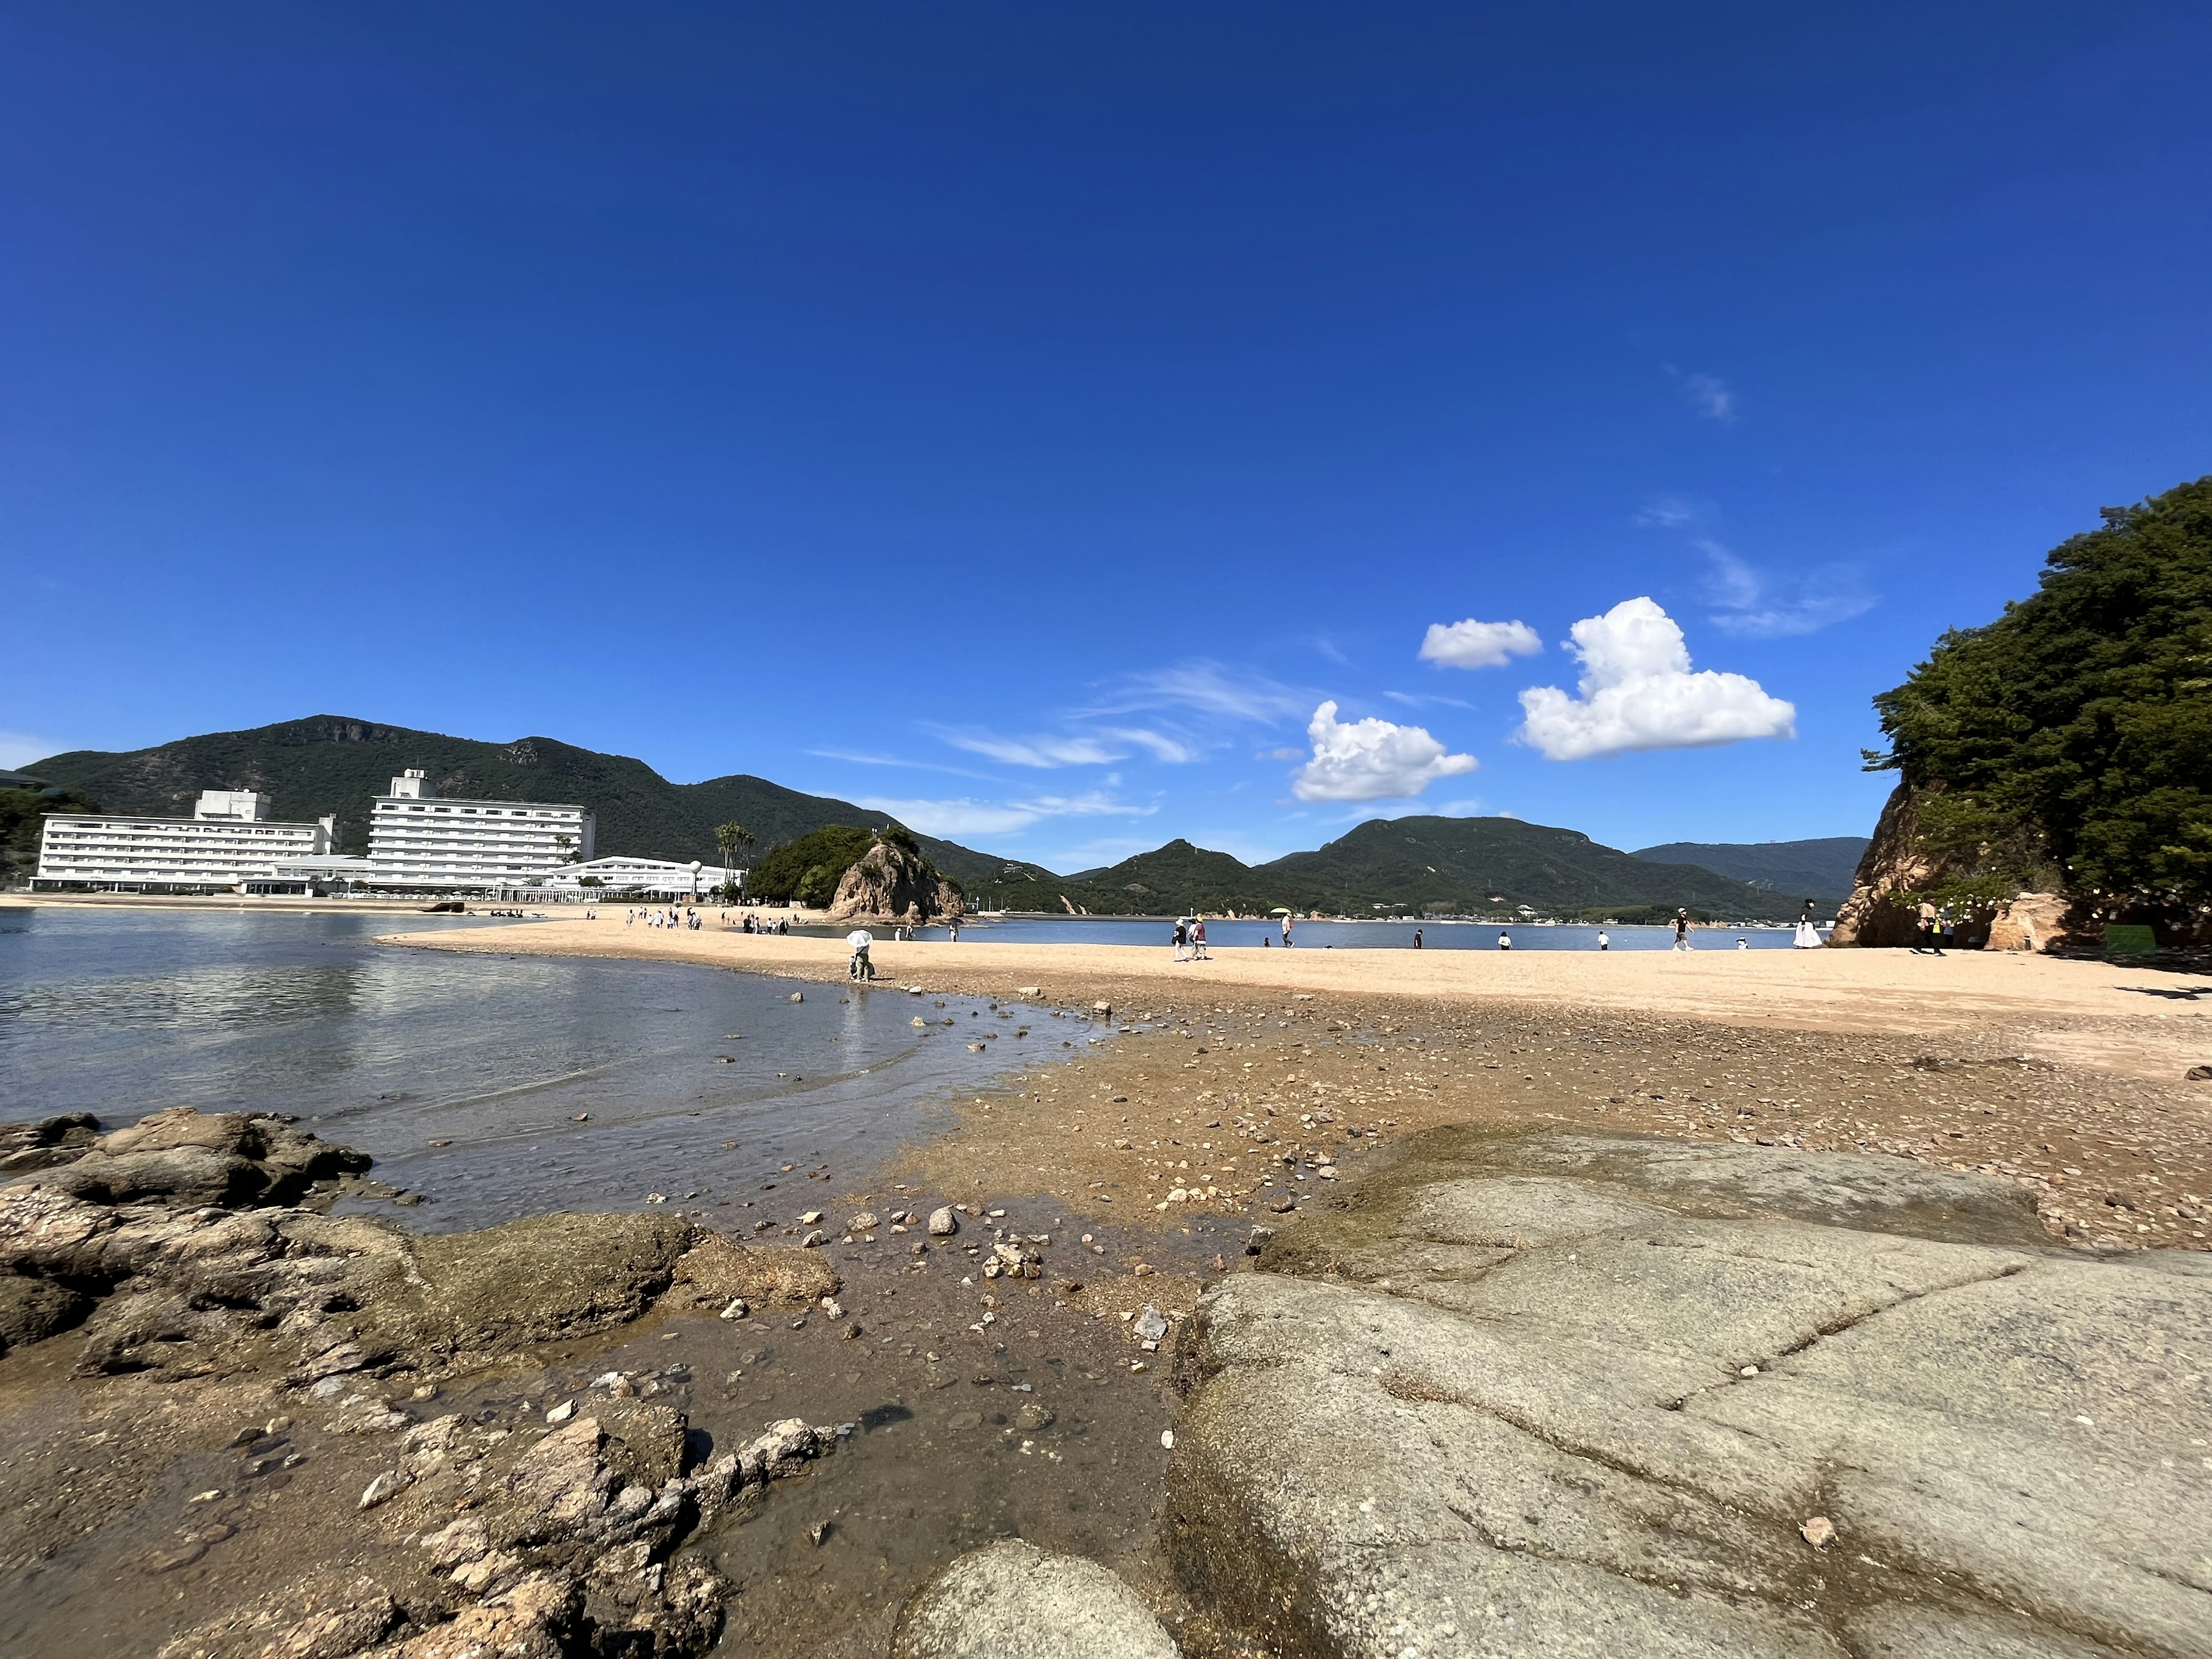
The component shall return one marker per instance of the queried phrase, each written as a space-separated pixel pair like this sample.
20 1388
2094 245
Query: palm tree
735 842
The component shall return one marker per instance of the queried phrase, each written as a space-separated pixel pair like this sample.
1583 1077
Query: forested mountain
1819 869
332 764
1404 865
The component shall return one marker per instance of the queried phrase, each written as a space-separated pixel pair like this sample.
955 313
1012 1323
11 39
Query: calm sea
695 1083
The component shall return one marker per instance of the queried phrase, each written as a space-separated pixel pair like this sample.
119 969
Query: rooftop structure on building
230 843
421 842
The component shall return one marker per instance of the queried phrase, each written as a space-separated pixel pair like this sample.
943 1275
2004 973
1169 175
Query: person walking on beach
1925 941
1198 940
1286 933
1681 930
1182 936
1417 939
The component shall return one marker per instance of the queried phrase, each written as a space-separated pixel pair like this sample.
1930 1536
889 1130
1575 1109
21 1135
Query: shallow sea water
697 1084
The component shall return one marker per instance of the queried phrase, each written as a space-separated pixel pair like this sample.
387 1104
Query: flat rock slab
1012 1600
1577 1394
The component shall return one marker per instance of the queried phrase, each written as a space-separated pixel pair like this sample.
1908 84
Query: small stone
798 996
1034 1416
943 1222
812 1239
864 1222
1150 1324
1820 1532
562 1413
818 1532
1167 1438
738 1308
656 1198
385 1486
1282 1204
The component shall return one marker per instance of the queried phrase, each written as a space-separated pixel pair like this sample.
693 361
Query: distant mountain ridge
330 763
1820 869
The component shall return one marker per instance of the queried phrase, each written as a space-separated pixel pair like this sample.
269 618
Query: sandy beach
1234 1080
2137 1022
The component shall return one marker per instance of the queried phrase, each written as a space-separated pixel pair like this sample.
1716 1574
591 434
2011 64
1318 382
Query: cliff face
889 883
1894 862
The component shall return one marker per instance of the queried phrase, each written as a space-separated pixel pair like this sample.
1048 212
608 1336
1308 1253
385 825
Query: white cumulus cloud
1637 692
1371 760
1473 644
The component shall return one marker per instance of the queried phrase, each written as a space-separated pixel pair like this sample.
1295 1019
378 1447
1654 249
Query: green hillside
1452 865
1463 865
332 764
1819 869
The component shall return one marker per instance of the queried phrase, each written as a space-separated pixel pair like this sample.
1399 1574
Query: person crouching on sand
1505 941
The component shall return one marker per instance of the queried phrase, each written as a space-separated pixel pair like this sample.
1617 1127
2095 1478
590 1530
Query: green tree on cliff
2074 733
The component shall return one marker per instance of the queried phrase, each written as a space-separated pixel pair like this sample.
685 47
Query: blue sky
1033 418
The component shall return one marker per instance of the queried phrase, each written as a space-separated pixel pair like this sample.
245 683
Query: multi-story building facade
655 877
418 841
230 842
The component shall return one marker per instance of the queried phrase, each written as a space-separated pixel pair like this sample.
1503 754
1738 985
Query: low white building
230 842
420 842
611 877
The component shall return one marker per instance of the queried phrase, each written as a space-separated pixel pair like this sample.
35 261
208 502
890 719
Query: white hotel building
229 843
418 841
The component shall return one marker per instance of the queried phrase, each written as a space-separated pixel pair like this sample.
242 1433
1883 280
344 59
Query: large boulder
190 1157
46 1142
1579 1394
1014 1600
889 882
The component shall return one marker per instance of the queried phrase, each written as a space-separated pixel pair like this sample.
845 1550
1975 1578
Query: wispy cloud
1667 512
1752 603
1042 752
858 758
1415 700
1283 754
970 817
1710 396
1173 752
1205 686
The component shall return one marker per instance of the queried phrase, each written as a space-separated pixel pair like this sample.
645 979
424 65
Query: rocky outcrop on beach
1582 1393
890 882
1899 861
164 1251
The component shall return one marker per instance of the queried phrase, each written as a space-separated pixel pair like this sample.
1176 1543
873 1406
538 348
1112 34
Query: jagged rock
1599 1401
32 1310
542 1617
1014 1600
316 1620
889 883
204 1157
1896 861
44 1144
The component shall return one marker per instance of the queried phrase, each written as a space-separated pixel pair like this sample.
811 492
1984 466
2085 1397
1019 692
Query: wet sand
2067 1077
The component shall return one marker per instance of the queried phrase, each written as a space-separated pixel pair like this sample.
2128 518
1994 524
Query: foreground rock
158 1240
1586 1395
1012 1600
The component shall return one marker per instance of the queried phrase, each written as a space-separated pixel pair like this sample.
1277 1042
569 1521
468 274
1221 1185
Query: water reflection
497 1086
